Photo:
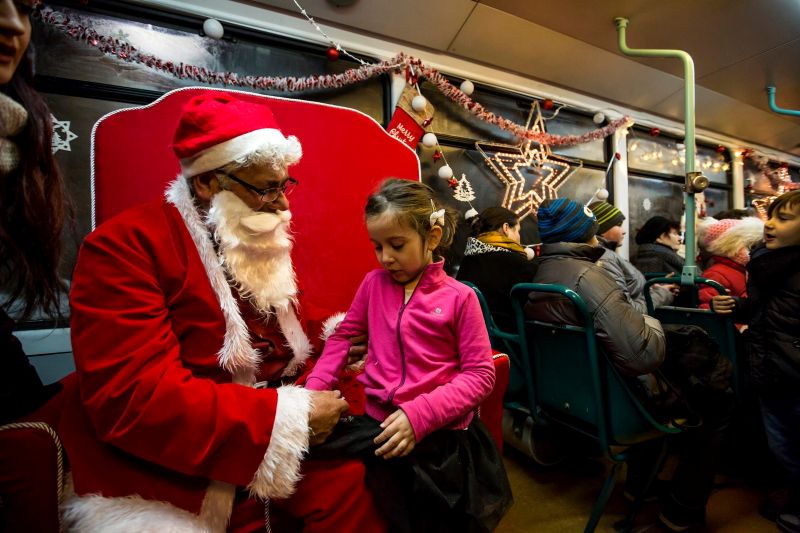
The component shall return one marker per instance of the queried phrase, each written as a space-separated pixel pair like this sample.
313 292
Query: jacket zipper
402 350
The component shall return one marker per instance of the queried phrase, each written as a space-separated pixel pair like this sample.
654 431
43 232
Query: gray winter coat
631 282
633 341
656 257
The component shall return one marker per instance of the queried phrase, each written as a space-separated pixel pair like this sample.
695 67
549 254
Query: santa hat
564 220
216 129
728 236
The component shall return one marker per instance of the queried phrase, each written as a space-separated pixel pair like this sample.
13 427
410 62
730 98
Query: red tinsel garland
127 52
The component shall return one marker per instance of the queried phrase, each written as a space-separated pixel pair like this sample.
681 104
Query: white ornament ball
418 103
602 195
598 118
467 87
445 172
213 28
429 140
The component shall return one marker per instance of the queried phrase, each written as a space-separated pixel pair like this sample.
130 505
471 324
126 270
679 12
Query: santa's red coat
155 413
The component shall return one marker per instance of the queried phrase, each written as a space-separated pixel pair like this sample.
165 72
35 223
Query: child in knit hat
728 242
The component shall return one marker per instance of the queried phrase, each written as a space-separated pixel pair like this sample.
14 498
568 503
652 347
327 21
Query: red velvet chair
33 468
346 155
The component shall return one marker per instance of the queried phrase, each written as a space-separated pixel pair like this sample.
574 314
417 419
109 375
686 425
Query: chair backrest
506 342
346 154
573 381
721 328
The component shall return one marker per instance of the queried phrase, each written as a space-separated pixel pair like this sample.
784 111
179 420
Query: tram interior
555 61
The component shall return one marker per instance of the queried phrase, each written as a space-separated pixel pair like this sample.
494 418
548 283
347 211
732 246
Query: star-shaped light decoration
62 136
513 164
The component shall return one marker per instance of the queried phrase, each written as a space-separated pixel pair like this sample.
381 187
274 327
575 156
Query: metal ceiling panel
509 42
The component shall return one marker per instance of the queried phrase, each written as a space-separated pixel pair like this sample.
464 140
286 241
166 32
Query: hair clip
437 217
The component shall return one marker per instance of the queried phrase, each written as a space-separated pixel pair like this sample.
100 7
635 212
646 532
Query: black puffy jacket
772 310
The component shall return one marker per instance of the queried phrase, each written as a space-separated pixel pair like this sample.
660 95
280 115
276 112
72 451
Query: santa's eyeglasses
269 194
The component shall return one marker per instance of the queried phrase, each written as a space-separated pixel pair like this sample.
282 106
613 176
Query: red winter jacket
729 274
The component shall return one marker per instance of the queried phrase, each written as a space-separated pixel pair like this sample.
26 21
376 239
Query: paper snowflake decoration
62 136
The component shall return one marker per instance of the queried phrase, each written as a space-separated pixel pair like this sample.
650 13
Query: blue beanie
563 220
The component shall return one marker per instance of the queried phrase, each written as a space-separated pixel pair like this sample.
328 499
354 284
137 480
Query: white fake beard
255 248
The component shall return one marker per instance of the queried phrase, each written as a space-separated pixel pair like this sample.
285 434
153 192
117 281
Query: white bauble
445 172
213 28
598 118
429 140
467 87
418 103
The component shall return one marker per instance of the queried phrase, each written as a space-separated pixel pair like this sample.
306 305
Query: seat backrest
346 154
574 383
721 328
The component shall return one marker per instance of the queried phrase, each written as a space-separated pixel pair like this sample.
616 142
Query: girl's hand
723 304
397 436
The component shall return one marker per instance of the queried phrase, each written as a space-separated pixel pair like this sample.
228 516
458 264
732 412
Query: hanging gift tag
406 123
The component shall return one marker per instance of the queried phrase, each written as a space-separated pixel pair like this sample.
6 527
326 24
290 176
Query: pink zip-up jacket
429 357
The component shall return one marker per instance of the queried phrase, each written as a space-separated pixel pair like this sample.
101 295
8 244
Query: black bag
693 383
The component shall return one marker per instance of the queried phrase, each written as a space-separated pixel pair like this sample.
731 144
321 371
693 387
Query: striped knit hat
607 215
562 220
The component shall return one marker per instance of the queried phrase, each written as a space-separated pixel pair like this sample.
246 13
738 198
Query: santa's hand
397 437
326 409
723 304
358 349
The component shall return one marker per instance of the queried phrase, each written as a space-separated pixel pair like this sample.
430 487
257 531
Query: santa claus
185 330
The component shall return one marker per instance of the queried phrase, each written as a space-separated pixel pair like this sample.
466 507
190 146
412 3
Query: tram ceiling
739 47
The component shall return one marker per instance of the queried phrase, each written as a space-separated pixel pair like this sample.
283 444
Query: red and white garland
126 52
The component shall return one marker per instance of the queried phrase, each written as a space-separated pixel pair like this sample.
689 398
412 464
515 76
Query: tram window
667 156
71 59
489 190
648 197
717 200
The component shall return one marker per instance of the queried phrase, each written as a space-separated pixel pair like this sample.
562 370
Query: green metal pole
774 106
690 271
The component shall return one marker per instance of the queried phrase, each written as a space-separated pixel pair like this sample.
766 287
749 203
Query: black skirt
454 480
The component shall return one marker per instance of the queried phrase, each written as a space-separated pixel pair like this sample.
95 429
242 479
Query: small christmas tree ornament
463 191
332 54
467 87
418 103
429 140
445 172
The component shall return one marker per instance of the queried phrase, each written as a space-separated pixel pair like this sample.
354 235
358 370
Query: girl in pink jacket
429 367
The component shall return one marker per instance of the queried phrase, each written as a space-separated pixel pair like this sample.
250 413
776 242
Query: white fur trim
237 354
296 339
279 472
329 326
268 145
131 514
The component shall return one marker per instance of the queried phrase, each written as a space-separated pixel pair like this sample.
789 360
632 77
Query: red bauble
721 149
655 132
332 53
453 183
427 122
547 104
437 155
